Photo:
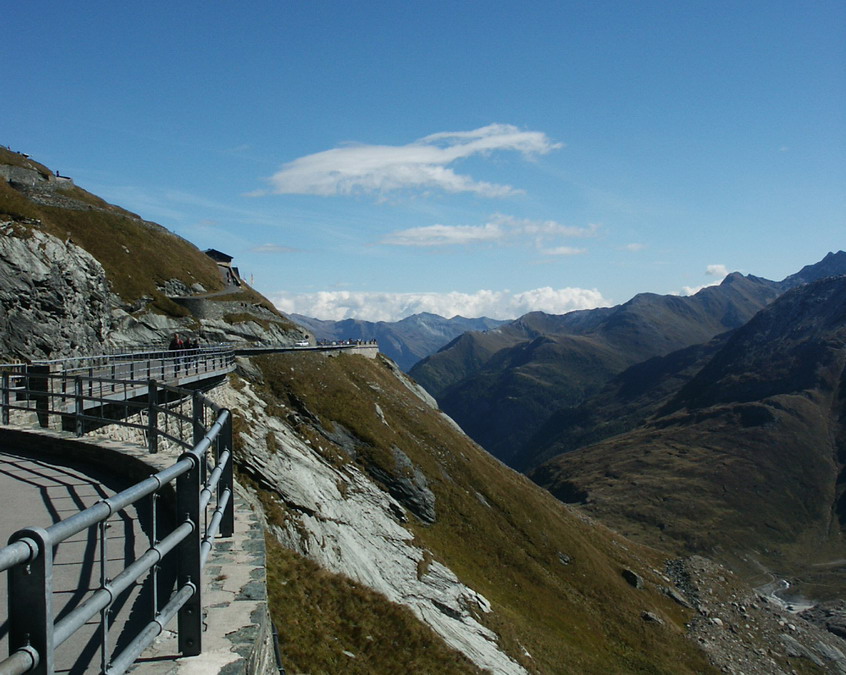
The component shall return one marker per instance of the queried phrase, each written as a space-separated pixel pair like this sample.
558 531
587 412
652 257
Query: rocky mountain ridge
504 385
405 341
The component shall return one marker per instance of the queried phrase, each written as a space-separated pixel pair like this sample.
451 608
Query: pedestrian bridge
112 561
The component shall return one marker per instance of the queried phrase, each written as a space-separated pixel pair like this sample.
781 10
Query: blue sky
376 159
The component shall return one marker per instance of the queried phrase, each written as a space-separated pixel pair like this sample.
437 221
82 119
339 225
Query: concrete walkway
58 475
39 492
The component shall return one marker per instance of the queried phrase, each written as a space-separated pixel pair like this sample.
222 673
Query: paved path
38 492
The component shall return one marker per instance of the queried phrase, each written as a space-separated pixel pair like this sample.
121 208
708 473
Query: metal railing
201 509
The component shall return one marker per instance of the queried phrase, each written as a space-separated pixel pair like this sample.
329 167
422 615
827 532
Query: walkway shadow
55 491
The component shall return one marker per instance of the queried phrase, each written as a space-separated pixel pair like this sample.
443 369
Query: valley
681 457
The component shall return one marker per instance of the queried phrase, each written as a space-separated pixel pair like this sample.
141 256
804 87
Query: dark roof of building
218 256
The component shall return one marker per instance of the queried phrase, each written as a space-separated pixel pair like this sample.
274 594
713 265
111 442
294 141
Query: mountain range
405 341
394 543
506 385
737 446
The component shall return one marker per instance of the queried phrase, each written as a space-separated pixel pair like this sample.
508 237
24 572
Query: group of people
177 343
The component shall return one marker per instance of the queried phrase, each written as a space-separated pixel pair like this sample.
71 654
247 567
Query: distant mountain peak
832 265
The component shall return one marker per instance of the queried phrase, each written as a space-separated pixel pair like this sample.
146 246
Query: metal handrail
140 351
34 631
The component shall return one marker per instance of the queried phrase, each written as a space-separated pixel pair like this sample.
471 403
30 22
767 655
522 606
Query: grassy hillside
330 624
746 462
138 255
555 581
623 404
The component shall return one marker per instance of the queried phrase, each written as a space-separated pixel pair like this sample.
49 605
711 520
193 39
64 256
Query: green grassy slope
501 534
329 624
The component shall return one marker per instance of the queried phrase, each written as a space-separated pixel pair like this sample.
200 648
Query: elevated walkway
369 349
50 476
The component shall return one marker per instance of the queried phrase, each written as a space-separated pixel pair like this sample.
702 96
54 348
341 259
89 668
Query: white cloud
718 271
547 228
499 227
368 306
634 247
272 248
563 250
423 164
441 235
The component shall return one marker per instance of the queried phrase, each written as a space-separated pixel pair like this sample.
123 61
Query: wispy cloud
499 228
545 228
634 247
420 165
272 248
444 235
369 306
563 250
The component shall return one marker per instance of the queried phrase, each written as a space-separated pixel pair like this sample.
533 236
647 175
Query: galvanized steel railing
203 479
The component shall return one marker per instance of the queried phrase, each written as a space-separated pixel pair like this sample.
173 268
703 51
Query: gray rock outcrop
54 297
342 520
56 301
408 485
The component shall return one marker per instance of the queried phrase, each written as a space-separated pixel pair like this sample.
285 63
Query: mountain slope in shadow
746 460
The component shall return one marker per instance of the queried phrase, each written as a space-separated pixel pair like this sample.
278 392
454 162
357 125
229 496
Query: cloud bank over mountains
374 306
423 164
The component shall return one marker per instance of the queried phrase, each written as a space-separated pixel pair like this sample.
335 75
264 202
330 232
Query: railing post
78 405
6 397
38 390
152 417
105 653
197 408
190 620
30 596
198 429
227 523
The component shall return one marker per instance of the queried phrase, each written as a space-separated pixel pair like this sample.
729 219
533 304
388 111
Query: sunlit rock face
348 524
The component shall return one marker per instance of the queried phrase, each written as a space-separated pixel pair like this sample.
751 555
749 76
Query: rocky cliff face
57 301
54 296
78 274
340 518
